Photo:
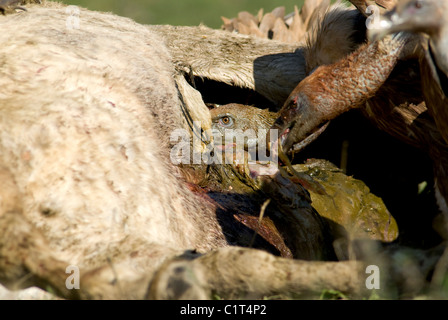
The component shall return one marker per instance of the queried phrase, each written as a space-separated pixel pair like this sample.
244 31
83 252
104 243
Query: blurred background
184 12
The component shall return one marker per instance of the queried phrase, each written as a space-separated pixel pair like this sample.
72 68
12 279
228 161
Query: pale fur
80 139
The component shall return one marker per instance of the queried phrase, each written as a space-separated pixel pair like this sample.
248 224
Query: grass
183 12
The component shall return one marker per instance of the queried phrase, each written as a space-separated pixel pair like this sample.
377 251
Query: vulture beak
297 124
287 120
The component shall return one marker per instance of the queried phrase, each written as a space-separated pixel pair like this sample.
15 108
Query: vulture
426 17
334 89
384 79
238 116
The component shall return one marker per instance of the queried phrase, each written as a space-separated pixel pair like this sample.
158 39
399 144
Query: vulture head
419 16
425 16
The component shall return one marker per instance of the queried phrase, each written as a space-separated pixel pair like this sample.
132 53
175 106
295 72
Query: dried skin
275 25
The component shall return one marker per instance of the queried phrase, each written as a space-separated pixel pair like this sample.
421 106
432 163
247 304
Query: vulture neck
352 81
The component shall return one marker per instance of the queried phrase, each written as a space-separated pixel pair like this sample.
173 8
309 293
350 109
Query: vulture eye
226 121
418 4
